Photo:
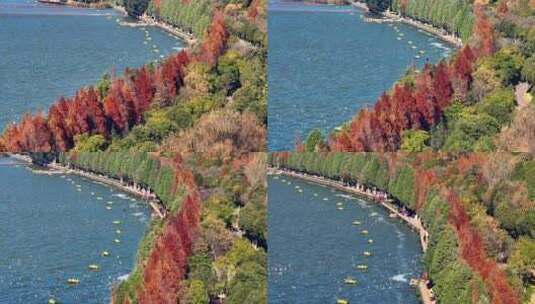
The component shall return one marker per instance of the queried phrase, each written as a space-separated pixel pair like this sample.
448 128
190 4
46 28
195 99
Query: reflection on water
315 245
53 227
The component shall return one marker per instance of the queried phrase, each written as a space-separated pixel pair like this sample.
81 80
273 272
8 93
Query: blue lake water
313 247
50 51
50 231
325 64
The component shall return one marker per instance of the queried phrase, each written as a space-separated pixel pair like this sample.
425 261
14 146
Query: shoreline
144 20
426 294
392 17
55 168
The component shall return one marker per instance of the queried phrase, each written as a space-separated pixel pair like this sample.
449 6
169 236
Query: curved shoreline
156 205
413 222
391 17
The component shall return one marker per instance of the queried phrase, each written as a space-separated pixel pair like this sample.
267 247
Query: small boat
105 253
421 52
356 223
92 193
283 180
367 253
342 301
413 282
350 281
118 231
362 267
99 198
52 301
109 203
325 199
315 194
399 38
364 232
79 190
414 47
296 187
289 183
300 190
339 204
370 241
340 208
116 222
117 241
392 215
417 56
73 281
93 267
108 207
409 42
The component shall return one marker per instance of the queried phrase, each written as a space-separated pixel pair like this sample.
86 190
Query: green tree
414 140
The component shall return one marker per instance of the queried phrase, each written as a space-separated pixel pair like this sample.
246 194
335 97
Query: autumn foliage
123 106
167 262
473 252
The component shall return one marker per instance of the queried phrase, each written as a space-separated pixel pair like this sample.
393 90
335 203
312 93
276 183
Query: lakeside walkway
413 222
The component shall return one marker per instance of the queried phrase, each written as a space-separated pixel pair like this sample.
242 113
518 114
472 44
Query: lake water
50 51
50 231
325 63
313 247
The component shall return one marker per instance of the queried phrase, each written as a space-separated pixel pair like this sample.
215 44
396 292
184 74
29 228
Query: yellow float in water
117 241
340 208
342 301
118 231
417 56
300 190
105 253
73 281
52 301
108 207
109 203
370 241
116 222
339 204
364 231
362 267
421 52
325 199
356 223
99 198
93 267
367 253
350 281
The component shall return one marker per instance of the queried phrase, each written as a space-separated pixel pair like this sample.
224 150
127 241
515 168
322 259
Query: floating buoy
73 281
315 194
105 253
356 223
52 301
342 301
118 231
362 267
340 208
283 180
108 207
116 241
289 183
417 56
79 190
370 241
421 52
116 222
364 231
414 47
300 190
325 199
109 202
296 187
92 193
367 253
399 38
350 281
99 198
339 204
145 42
93 267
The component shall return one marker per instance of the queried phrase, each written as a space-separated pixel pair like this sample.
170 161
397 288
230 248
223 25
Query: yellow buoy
340 208
350 281
367 253
364 231
116 222
362 267
73 281
356 223
93 267
105 253
108 207
52 301
118 231
117 241
370 241
342 301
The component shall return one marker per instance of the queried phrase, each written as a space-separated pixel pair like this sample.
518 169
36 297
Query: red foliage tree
216 40
483 33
